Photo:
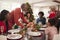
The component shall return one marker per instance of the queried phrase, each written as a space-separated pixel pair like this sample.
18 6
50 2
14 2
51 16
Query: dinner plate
34 33
14 36
14 30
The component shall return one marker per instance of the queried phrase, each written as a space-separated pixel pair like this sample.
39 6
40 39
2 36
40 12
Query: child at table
51 30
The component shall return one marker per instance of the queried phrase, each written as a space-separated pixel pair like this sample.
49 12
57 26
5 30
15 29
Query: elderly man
17 16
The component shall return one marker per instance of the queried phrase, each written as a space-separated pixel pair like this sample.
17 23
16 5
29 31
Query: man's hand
30 24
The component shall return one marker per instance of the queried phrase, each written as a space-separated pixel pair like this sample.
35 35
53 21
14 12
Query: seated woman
2 23
51 30
3 20
52 13
29 17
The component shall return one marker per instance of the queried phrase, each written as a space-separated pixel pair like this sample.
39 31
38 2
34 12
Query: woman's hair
52 22
22 6
41 13
31 18
3 14
53 8
28 13
2 18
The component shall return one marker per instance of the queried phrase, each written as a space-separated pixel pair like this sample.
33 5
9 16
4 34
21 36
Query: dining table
27 36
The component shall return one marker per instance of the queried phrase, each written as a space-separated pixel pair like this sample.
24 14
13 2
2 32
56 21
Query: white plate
34 33
14 31
14 36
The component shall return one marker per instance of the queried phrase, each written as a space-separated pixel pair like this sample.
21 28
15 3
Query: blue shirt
42 20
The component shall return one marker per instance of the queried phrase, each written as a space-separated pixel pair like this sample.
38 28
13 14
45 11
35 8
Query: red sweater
52 15
2 24
15 15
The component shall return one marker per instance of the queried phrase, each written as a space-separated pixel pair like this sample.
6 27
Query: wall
9 5
36 11
12 5
44 9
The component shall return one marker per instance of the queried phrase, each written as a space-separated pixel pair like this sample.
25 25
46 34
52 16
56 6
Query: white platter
14 30
14 36
34 33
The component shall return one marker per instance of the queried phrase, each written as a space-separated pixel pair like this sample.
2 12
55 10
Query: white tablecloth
2 37
56 37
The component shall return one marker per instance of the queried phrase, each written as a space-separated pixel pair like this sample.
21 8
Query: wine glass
2 29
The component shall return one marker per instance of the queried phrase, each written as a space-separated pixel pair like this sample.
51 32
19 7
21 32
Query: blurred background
37 5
